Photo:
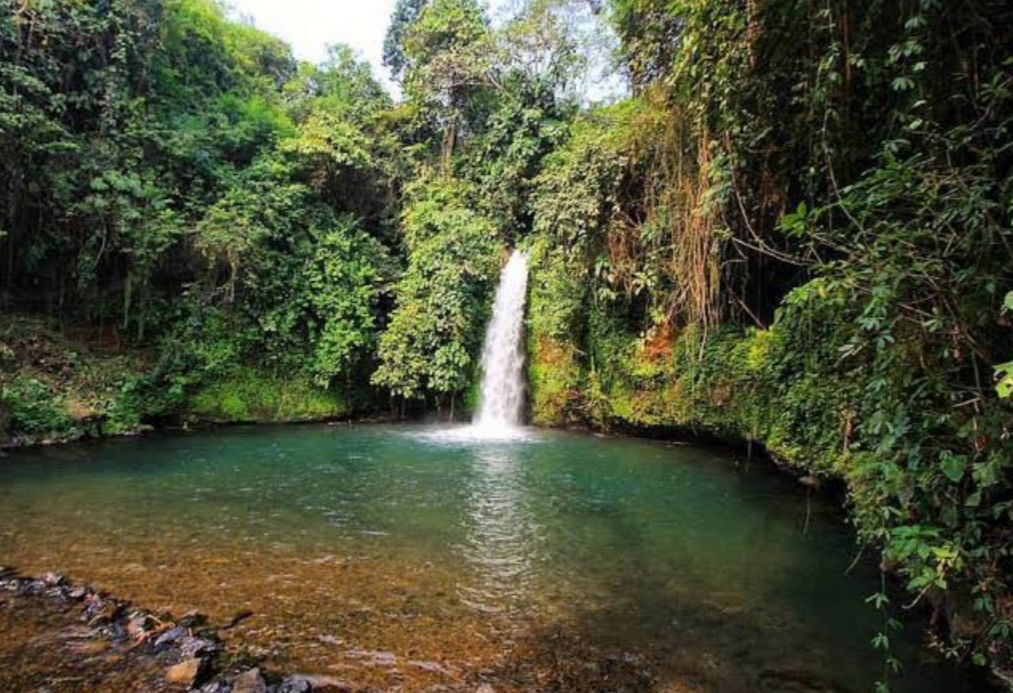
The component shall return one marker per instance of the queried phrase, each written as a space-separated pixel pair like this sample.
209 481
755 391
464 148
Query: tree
449 55
406 12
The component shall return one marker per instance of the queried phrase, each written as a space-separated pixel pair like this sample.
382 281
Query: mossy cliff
58 385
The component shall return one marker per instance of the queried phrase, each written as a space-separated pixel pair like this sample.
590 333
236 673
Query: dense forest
797 230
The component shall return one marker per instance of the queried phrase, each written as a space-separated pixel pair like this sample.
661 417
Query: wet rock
99 610
77 593
294 684
300 683
216 687
250 681
53 579
138 626
191 646
172 635
186 672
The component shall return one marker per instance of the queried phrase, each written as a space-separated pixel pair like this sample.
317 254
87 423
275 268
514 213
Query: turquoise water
561 561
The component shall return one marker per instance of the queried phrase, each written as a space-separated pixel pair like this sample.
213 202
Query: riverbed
416 558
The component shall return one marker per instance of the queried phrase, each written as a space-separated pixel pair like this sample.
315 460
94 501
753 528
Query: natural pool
393 557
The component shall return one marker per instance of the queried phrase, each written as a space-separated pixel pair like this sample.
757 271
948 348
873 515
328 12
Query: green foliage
250 395
1004 371
406 13
33 408
431 343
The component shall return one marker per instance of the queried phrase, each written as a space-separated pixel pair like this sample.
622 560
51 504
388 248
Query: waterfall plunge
501 404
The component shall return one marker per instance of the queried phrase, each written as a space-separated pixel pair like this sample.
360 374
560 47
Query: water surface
392 557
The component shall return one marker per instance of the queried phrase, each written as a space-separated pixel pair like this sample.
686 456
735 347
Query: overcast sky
310 25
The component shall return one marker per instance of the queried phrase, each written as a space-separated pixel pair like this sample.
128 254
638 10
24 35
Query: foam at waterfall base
479 434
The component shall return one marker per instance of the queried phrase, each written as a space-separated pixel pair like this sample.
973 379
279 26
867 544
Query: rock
294 684
485 688
102 611
78 593
249 681
190 646
186 672
172 635
137 627
300 683
52 579
216 687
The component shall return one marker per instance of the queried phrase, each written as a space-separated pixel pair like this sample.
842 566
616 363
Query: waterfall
501 403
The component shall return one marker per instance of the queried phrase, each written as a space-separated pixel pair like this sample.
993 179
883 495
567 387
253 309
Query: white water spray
501 404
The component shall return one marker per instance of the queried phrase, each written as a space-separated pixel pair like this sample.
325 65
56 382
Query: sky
310 25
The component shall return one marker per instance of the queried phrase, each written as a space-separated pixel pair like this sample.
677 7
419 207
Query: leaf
953 466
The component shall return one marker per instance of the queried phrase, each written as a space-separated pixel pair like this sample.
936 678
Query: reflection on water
501 535
554 561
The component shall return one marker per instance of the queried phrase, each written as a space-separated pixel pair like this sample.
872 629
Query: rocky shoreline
90 634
